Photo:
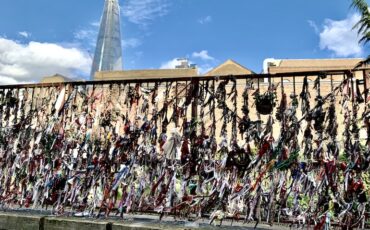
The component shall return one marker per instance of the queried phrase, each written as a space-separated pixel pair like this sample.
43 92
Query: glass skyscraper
108 51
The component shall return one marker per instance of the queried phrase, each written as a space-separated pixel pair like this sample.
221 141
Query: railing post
176 104
366 90
213 109
194 109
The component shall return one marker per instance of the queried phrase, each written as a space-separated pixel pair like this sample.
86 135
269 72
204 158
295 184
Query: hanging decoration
196 149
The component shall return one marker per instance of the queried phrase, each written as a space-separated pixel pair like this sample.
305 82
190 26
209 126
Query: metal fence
284 147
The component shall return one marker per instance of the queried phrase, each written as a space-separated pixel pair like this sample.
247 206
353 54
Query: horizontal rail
198 78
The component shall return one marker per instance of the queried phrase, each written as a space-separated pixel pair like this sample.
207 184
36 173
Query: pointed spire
108 51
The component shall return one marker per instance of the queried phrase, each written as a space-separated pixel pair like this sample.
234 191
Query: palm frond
361 5
362 26
363 62
365 38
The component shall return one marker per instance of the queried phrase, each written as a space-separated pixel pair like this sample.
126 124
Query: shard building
108 52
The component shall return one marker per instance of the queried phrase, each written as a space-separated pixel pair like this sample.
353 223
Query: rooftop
300 65
230 67
145 74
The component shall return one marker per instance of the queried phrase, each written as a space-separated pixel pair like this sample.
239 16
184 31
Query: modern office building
108 51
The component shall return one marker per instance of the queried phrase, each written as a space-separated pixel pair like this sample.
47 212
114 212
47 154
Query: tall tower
108 51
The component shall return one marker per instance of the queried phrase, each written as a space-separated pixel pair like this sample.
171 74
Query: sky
44 37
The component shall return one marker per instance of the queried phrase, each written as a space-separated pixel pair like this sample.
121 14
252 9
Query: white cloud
95 24
11 81
24 34
205 20
143 12
340 38
131 43
30 62
171 64
204 62
314 26
87 37
203 55
204 68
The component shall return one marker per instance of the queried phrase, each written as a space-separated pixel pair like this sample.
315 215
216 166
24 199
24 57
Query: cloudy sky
43 37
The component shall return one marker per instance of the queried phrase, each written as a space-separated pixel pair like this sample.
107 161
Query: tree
363 25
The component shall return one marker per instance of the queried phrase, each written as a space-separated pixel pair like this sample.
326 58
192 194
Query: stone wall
22 221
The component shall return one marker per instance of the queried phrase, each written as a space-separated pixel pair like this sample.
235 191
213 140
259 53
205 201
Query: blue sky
43 37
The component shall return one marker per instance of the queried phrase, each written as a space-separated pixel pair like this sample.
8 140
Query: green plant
269 95
265 102
363 26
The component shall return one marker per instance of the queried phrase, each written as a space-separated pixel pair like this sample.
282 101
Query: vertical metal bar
319 86
39 96
366 90
259 126
331 83
75 88
202 86
26 90
235 129
269 81
119 90
194 108
89 107
164 128
32 99
2 107
139 85
350 75
294 89
282 85
176 103
186 88
147 110
65 110
213 108
129 104
102 95
16 106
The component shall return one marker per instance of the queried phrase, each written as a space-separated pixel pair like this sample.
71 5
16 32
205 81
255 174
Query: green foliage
267 96
304 202
363 25
284 165
290 201
366 180
343 158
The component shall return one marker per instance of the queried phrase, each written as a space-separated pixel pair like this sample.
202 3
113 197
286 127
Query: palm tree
363 25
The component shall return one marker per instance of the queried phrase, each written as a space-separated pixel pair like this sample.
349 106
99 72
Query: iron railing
214 146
